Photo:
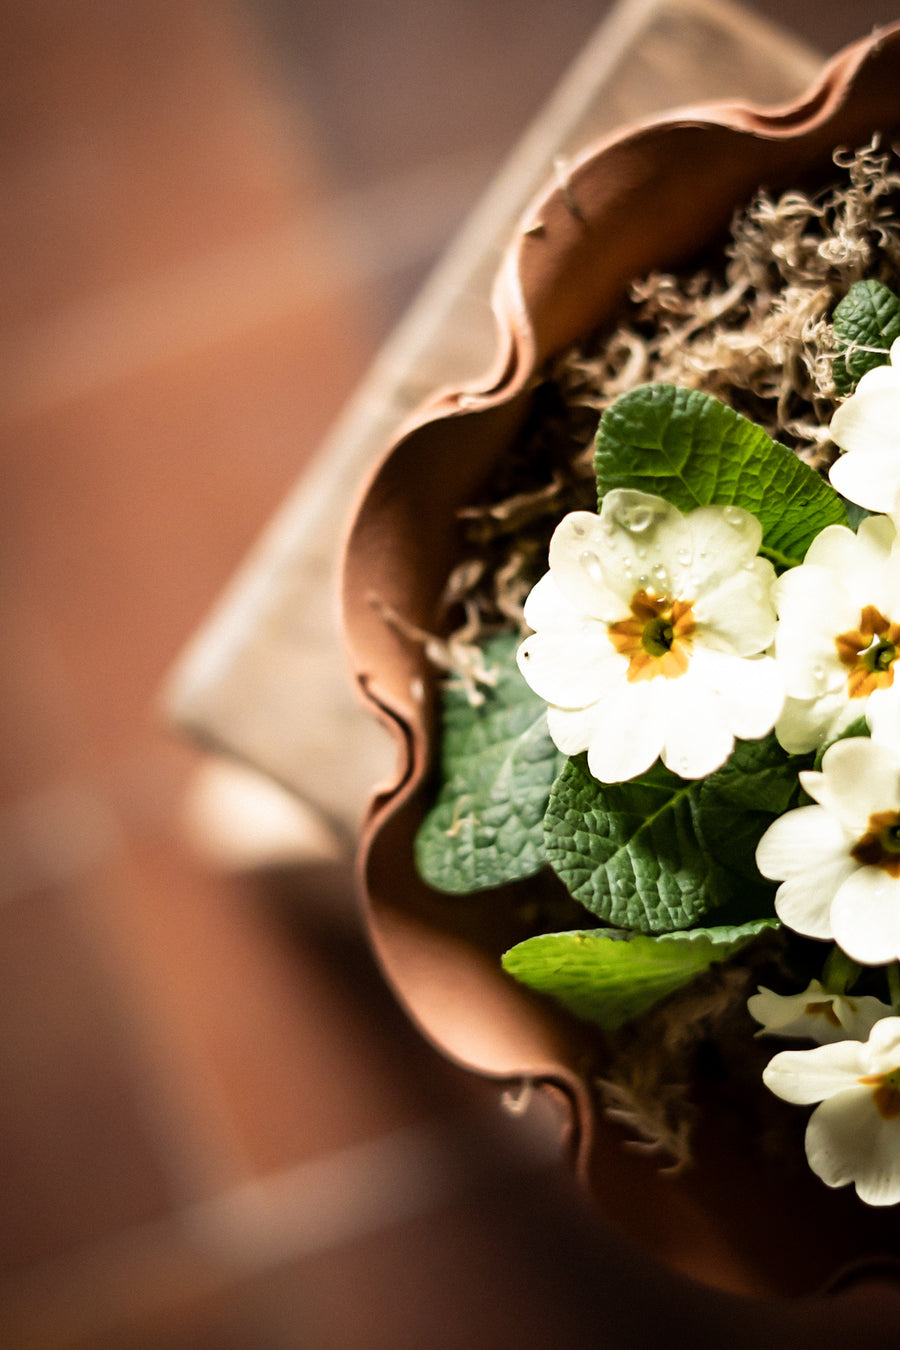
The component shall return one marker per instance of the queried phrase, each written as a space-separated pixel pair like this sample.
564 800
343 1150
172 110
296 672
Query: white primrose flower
818 1014
650 628
838 635
854 1134
839 860
866 427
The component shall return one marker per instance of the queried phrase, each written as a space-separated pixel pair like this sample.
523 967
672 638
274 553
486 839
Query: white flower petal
806 724
859 777
572 729
865 916
628 732
813 607
884 1046
738 615
642 537
724 538
547 607
858 1014
806 1076
871 478
584 568
570 668
848 1141
869 418
804 902
749 692
883 715
886 376
856 559
698 738
808 837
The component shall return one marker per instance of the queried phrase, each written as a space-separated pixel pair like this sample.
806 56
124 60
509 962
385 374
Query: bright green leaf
498 764
608 978
693 450
866 321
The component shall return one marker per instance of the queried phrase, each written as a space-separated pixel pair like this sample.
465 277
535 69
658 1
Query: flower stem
893 980
839 974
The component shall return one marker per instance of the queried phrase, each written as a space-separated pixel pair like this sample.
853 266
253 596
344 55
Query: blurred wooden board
264 679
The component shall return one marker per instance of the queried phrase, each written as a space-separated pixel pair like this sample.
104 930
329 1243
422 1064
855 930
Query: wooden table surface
264 679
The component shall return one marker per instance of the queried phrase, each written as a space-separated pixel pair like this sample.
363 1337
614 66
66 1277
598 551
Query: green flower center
879 657
868 652
658 637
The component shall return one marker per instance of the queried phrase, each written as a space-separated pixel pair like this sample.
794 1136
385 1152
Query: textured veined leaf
498 765
866 322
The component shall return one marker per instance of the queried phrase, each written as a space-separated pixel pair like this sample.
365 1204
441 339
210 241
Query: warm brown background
215 1129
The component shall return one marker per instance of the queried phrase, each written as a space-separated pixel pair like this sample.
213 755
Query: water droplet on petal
578 529
636 519
818 675
684 556
661 574
734 516
591 564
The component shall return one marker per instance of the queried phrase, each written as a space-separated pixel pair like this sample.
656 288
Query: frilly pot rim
647 197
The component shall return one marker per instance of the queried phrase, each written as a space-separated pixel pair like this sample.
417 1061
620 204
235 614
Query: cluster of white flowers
664 635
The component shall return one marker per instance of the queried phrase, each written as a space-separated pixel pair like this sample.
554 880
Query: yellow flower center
869 652
886 1094
880 845
657 637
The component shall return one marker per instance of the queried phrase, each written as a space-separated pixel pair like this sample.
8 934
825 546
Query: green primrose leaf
498 764
868 317
738 803
693 450
657 853
610 977
632 853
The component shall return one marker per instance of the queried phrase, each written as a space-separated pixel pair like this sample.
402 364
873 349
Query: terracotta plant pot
648 198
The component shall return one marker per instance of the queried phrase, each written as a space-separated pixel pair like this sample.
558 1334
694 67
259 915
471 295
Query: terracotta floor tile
137 134
76 1155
